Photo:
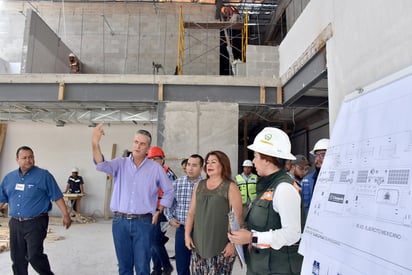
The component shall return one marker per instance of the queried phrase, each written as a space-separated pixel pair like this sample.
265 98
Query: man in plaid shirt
176 214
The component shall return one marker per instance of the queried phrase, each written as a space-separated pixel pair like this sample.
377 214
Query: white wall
58 149
370 40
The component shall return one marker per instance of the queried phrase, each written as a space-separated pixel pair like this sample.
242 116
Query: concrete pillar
186 128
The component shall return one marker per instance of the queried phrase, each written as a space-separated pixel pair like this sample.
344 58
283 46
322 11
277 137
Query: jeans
26 245
132 241
160 257
182 253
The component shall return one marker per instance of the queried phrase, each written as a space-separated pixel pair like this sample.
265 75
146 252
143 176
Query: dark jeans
74 202
182 253
26 245
160 257
132 242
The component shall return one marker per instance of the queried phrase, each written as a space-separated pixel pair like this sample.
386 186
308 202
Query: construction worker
274 218
309 181
246 181
75 185
74 64
230 13
298 170
160 258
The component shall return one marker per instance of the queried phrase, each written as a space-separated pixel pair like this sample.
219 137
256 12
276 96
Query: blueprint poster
360 218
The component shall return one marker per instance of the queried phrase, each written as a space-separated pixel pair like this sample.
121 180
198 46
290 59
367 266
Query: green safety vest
261 217
247 188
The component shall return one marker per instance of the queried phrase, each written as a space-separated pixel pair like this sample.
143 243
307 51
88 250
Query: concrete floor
83 249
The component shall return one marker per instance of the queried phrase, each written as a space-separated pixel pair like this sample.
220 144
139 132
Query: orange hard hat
155 152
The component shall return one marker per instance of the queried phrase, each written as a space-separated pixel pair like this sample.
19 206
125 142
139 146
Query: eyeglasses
319 155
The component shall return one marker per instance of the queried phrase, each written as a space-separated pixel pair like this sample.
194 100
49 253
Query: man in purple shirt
136 183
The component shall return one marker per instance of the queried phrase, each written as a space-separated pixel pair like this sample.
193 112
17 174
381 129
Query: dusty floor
83 249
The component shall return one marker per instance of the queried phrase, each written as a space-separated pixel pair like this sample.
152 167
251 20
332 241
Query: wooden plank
160 92
279 98
3 130
262 95
60 96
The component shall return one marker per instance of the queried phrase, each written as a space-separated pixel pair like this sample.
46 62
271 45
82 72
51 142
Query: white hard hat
272 142
247 163
71 55
75 170
321 144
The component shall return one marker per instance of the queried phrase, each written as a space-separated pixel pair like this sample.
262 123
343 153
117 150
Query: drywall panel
44 52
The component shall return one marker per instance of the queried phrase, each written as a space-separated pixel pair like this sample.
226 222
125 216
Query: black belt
20 219
132 216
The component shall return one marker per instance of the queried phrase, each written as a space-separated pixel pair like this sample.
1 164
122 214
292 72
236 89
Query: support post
60 96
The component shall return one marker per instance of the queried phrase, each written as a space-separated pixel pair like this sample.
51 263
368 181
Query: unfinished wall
186 128
262 61
118 38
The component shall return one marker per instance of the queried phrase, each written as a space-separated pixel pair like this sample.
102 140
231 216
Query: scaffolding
180 45
245 36
220 25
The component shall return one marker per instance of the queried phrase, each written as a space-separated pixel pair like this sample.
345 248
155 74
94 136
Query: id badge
19 186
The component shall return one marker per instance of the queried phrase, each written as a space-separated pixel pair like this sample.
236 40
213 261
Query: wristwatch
254 240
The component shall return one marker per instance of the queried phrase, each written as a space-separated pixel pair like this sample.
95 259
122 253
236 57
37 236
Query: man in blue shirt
29 191
135 192
176 215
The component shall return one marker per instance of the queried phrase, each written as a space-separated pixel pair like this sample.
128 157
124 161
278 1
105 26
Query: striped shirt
183 194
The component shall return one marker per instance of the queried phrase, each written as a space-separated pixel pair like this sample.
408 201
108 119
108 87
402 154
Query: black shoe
173 257
154 272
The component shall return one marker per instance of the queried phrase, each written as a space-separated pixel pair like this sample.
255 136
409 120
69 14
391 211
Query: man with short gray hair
136 181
